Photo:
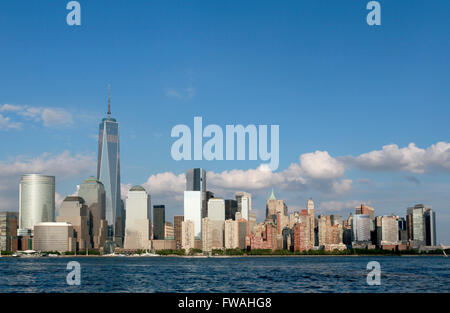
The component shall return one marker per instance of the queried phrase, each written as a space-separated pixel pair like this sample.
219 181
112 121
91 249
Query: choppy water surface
246 274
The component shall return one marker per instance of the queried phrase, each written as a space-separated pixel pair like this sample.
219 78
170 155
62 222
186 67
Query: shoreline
222 256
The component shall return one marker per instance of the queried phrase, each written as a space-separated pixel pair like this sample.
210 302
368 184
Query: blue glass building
108 172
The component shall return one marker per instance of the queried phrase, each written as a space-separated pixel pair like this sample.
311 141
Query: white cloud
48 116
5 123
63 166
337 206
408 159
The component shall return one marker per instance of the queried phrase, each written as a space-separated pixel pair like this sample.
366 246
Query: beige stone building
212 234
54 236
231 234
187 235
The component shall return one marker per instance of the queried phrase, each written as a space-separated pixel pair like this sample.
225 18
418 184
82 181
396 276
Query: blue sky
332 83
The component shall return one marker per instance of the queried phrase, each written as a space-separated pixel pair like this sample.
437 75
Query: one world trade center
108 172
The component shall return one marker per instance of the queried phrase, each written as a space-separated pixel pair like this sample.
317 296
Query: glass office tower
108 172
36 200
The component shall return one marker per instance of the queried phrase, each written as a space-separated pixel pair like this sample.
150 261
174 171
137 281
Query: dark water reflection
259 274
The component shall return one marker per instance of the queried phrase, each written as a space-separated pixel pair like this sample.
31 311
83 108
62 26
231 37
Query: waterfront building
159 218
138 219
243 231
36 201
168 231
108 172
193 208
264 238
251 221
244 203
177 220
416 224
8 231
212 234
430 227
361 228
312 215
231 234
93 193
302 232
216 209
364 209
74 211
387 232
188 235
230 209
54 236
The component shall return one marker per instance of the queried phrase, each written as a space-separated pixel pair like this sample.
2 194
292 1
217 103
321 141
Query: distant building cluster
97 218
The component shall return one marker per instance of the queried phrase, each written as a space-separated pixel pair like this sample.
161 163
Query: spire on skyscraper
109 101
272 196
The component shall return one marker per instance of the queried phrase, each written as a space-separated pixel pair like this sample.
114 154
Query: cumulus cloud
166 184
408 159
64 166
48 116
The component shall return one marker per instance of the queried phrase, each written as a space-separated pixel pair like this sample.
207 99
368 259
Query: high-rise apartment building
159 219
364 209
212 234
187 235
138 219
168 231
108 172
36 201
9 222
177 220
231 234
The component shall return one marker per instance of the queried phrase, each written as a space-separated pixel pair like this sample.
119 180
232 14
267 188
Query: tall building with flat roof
177 220
387 233
168 231
216 209
231 234
8 231
196 180
193 208
74 211
244 203
361 227
212 234
93 193
159 218
187 235
36 200
108 172
138 220
230 209
430 227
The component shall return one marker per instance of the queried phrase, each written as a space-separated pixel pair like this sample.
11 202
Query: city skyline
347 113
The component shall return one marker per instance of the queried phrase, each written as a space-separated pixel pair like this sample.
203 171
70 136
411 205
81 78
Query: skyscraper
361 228
196 180
74 211
36 201
195 199
244 203
138 221
108 172
93 193
230 209
430 227
216 209
177 220
159 218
